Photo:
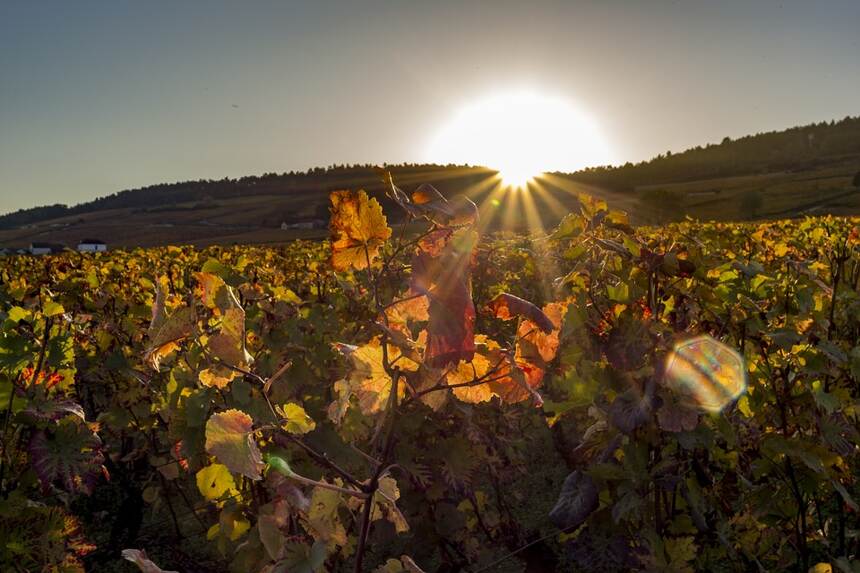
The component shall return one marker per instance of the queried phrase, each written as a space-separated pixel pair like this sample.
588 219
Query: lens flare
706 373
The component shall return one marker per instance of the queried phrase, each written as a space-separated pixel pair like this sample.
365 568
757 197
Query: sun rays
521 134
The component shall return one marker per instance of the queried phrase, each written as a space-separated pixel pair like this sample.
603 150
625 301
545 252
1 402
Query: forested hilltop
317 181
796 150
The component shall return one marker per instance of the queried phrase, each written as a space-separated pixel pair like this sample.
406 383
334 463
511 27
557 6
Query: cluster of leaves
392 401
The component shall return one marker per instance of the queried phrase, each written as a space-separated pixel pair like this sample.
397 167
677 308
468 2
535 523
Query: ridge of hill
801 170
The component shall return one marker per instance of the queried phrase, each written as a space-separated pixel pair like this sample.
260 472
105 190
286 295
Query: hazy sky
96 97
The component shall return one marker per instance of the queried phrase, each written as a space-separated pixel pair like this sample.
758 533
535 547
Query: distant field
256 219
783 194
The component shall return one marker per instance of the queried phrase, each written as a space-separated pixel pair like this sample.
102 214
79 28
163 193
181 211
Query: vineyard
599 398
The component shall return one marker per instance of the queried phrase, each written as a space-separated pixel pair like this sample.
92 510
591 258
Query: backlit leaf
214 481
229 437
507 306
358 230
296 420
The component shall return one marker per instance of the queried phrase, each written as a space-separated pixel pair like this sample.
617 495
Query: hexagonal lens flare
706 373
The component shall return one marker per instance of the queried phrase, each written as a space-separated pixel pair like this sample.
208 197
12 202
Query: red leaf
441 269
507 306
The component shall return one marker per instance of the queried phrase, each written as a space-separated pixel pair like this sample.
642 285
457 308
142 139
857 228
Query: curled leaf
139 558
507 306
229 437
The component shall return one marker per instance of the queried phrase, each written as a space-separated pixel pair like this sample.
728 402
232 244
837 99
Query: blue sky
96 97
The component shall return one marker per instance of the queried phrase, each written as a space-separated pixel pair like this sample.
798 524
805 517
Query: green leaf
680 551
570 226
52 308
302 558
618 293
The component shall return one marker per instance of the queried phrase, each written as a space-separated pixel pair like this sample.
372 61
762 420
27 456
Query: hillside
802 170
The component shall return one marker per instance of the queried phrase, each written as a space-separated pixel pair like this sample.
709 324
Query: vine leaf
296 420
69 452
302 558
367 380
441 270
214 481
385 500
166 333
428 203
358 230
229 343
578 500
139 558
674 417
229 437
214 293
467 372
216 376
158 305
322 517
507 306
629 411
537 346
271 536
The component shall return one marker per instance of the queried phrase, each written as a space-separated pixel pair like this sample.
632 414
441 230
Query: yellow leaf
214 481
296 420
216 376
358 229
744 406
323 522
214 292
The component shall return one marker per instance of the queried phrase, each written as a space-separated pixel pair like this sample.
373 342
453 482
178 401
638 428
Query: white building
92 246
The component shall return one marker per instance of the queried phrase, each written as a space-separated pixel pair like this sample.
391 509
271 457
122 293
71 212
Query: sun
522 134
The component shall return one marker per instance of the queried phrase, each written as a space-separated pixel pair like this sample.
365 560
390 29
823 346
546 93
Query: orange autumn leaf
538 344
358 229
467 381
536 348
